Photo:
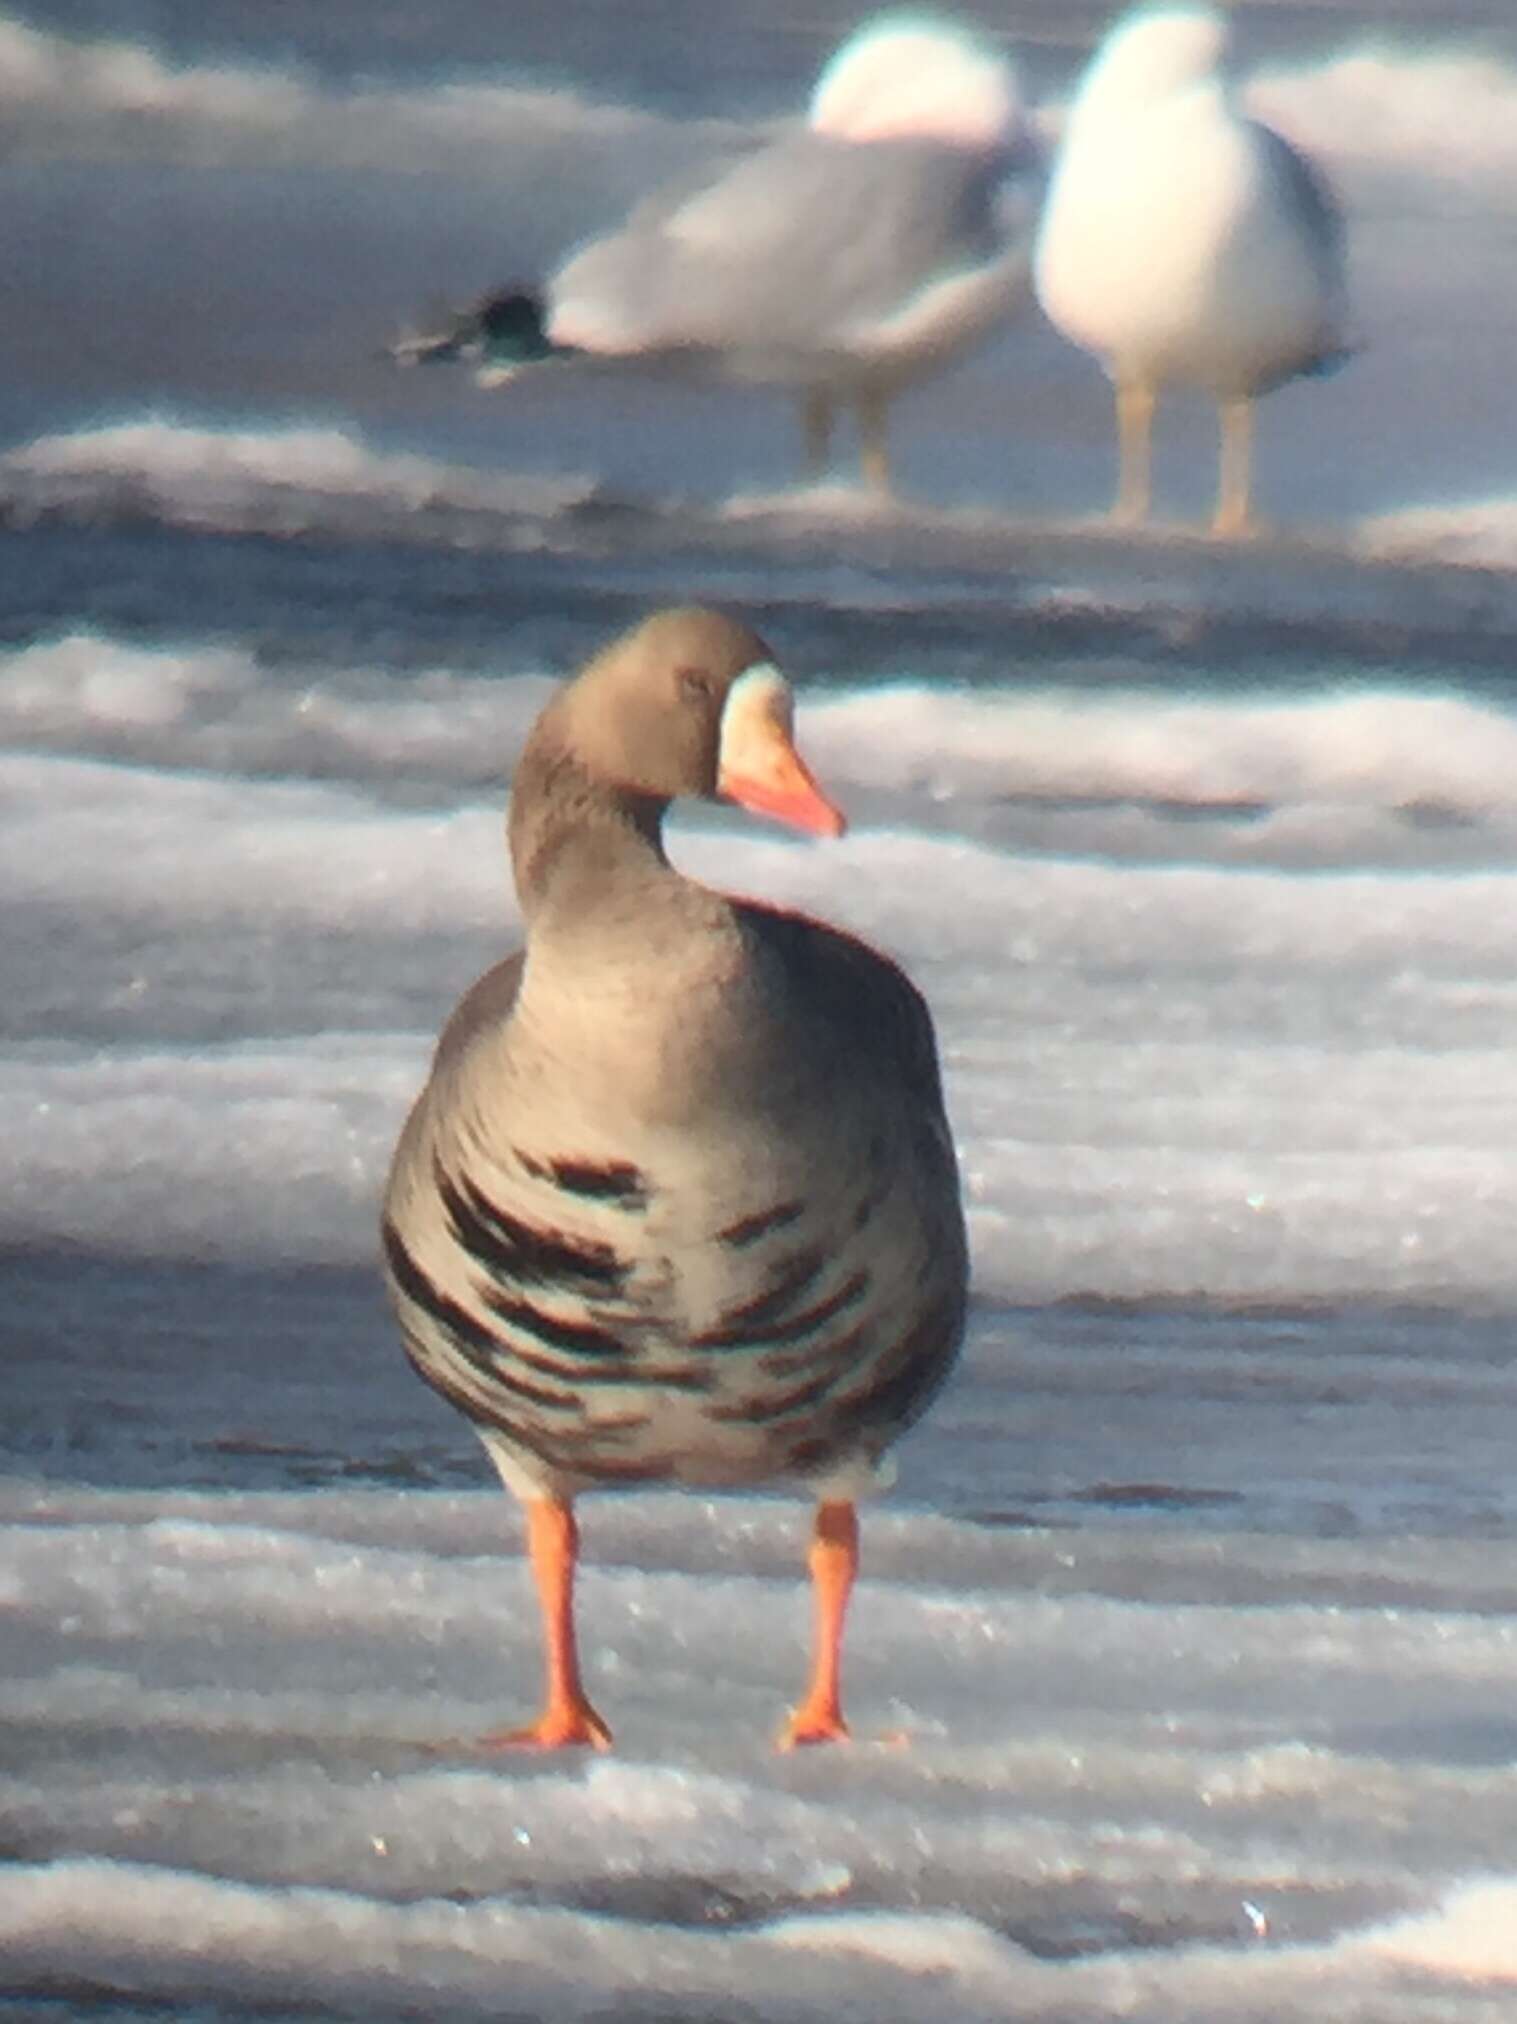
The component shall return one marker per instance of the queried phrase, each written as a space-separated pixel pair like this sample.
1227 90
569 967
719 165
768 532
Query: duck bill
758 766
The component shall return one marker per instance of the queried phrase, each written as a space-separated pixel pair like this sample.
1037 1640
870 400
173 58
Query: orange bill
759 767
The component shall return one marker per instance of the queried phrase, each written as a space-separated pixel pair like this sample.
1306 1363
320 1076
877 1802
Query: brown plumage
678 1202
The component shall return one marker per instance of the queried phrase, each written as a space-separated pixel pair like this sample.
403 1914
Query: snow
1181 1666
1093 1775
1180 1671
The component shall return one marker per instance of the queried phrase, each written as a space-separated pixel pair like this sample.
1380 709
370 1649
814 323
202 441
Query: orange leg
567 1717
834 1561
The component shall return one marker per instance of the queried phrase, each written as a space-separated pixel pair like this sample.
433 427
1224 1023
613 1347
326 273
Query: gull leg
873 407
834 1562
816 429
1232 515
567 1717
1135 424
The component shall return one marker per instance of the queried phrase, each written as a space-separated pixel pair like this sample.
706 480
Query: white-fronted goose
678 1203
1186 245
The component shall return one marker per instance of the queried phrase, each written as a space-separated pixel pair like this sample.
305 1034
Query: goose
1186 245
678 1202
847 260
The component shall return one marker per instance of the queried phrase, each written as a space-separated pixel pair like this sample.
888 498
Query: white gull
1185 244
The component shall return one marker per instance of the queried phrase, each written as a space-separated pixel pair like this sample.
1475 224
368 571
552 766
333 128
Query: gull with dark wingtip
1185 244
848 259
678 1203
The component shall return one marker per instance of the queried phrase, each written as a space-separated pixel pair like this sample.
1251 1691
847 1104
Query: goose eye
695 685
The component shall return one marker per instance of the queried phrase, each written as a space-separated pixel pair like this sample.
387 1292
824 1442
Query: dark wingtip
507 324
511 323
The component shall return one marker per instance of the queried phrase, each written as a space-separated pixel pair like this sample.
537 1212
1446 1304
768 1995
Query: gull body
1185 244
847 260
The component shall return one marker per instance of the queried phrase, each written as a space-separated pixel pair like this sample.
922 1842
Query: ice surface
1444 112
1181 1670
124 99
234 1770
1151 1058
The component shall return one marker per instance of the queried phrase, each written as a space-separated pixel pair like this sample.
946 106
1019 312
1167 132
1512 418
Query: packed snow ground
1137 1772
1181 1671
1182 1667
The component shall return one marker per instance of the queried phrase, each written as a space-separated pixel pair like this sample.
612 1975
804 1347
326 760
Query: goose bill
758 766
